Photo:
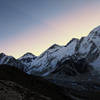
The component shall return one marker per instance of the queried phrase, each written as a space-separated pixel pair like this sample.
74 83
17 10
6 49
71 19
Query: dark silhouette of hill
33 83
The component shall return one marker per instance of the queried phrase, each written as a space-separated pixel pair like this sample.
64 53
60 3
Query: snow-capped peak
2 55
73 40
4 58
95 33
27 59
27 55
94 37
97 29
54 46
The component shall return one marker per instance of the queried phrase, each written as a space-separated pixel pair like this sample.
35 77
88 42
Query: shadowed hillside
33 83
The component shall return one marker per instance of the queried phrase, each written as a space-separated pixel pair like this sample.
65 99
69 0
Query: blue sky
25 23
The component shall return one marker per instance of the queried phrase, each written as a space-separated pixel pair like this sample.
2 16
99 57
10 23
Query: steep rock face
9 60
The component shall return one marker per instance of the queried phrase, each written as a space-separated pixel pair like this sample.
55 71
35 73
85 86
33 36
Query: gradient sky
34 25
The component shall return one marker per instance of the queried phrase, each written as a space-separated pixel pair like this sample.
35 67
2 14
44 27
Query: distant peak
54 46
95 31
73 40
28 53
2 54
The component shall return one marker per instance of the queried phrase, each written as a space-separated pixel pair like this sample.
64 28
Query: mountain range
74 67
87 47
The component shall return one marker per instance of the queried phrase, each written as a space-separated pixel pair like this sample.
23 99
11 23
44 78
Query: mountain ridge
71 71
87 47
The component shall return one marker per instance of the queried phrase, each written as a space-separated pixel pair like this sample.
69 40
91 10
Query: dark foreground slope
17 85
12 91
29 84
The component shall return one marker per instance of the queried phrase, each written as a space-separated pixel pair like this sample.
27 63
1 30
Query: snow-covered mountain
75 67
87 47
47 61
9 60
27 59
